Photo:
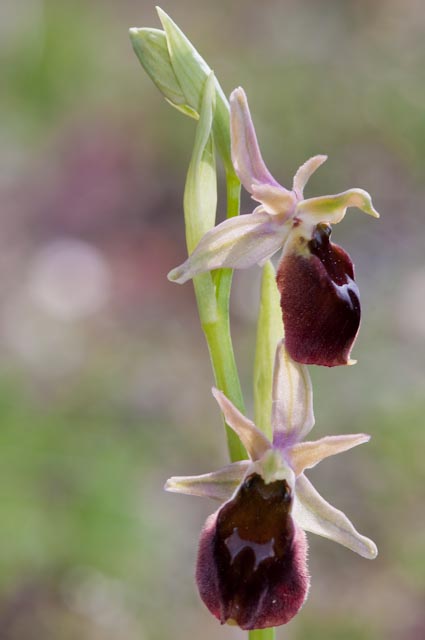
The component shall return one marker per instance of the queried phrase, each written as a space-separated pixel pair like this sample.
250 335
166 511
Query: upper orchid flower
251 567
319 298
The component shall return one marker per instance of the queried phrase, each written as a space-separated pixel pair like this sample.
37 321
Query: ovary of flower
267 503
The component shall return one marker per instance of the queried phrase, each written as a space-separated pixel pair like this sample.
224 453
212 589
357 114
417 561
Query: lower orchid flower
252 558
319 298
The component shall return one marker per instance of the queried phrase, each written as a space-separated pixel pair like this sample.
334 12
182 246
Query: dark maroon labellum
252 558
320 302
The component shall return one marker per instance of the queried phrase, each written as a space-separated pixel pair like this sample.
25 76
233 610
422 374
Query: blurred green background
104 375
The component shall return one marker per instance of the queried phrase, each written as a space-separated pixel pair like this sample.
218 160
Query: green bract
200 198
269 333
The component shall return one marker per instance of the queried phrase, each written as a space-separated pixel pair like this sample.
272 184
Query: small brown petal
252 558
320 301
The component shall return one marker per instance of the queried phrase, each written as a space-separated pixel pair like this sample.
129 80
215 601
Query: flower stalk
262 634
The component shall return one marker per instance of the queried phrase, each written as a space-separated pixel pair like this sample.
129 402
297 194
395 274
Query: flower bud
180 73
150 47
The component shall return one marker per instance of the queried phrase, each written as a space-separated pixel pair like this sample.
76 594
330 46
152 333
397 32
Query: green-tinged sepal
332 209
269 333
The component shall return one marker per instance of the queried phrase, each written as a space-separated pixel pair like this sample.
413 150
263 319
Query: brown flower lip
252 558
320 301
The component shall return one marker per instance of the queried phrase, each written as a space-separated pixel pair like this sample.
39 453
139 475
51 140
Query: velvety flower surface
319 299
321 314
252 558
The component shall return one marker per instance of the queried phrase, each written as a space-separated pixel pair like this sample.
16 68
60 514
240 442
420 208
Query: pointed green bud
269 333
190 69
179 72
150 47
191 72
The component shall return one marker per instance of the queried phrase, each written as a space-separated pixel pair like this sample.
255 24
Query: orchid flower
251 567
319 298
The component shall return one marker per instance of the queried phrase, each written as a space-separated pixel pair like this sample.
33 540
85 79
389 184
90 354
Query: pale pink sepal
246 155
218 485
305 455
292 400
238 242
254 440
314 514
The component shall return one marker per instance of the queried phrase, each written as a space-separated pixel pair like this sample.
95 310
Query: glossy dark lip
320 302
251 567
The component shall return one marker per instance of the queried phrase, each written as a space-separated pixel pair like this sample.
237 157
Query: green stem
262 634
226 375
218 333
